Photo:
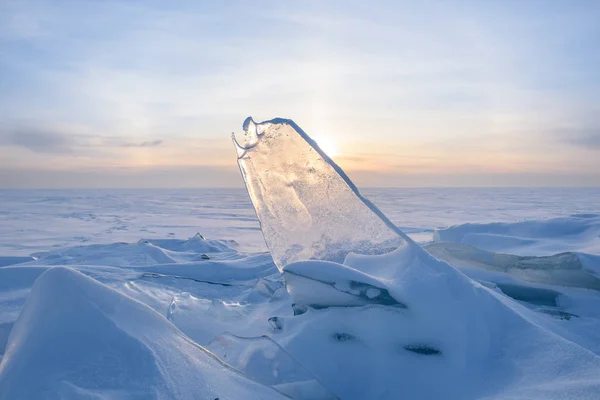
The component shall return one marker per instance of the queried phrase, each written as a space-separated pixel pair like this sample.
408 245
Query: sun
327 144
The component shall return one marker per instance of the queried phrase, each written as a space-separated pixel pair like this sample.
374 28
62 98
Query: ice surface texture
307 206
77 338
265 361
577 232
563 269
455 339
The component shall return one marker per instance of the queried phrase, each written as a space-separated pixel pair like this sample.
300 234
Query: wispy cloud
586 138
147 143
593 141
40 141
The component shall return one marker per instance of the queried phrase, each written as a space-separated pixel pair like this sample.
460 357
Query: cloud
586 136
591 140
40 141
68 143
152 177
147 143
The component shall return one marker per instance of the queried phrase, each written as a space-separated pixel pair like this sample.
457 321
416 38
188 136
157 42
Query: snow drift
76 338
575 233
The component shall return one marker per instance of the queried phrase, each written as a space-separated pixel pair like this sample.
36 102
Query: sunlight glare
327 144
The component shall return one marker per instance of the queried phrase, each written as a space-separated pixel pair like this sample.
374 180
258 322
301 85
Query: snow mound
217 271
453 339
76 338
117 254
578 232
143 253
205 293
195 244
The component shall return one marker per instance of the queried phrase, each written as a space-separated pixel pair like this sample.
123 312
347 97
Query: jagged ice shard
307 206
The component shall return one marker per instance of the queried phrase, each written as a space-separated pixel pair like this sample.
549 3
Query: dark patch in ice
276 323
382 296
536 296
558 314
5 329
566 260
584 215
343 337
157 275
205 257
423 349
300 309
117 228
368 293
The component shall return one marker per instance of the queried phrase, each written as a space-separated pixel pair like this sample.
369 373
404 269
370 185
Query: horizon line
242 188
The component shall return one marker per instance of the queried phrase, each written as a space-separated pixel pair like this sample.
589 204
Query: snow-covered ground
159 292
439 293
41 220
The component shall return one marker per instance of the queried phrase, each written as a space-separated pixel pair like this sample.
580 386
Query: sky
144 94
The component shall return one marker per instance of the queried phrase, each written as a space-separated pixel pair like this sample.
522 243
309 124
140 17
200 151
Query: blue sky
432 93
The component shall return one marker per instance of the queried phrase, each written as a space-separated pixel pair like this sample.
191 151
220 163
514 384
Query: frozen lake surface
110 294
39 220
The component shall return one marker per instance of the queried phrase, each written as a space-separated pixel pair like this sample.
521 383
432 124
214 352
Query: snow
267 362
80 339
112 294
452 338
490 345
578 232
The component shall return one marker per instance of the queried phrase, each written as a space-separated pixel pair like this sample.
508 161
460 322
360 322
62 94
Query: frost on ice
307 206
